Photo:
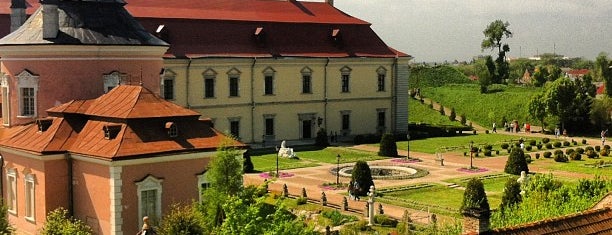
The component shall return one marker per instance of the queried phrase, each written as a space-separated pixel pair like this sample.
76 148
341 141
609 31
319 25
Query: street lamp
408 146
338 170
471 153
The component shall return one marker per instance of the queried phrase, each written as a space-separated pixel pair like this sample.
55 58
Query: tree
58 222
453 115
5 226
388 147
537 108
512 194
247 164
602 67
321 139
494 33
363 176
225 171
182 220
475 198
559 98
516 162
539 76
600 112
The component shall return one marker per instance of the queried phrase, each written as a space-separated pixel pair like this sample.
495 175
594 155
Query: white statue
286 152
523 180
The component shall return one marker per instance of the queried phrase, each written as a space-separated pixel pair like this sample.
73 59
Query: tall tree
494 33
600 112
603 72
516 162
475 198
225 171
537 108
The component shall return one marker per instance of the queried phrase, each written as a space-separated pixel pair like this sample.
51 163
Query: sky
448 30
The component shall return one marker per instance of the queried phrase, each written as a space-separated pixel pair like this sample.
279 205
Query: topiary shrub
558 151
537 155
597 148
607 147
516 162
547 154
182 220
487 153
452 115
569 151
321 139
561 158
58 222
539 145
388 146
385 220
587 148
247 164
580 150
604 152
584 141
488 147
532 142
475 198
505 145
462 119
362 175
557 144
575 156
566 143
545 140
512 194
591 153
549 146
528 147
574 142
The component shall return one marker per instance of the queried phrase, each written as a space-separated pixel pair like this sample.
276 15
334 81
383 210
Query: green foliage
182 220
545 140
420 113
225 173
388 146
301 200
363 176
247 164
442 110
603 72
547 154
569 101
5 227
424 76
512 194
58 222
474 197
557 144
338 218
462 119
575 156
561 158
321 139
494 33
385 220
505 146
516 162
453 115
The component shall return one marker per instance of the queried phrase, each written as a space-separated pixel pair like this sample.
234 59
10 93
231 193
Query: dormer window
43 124
260 36
336 37
172 129
111 131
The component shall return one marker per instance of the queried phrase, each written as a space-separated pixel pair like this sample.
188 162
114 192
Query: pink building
110 160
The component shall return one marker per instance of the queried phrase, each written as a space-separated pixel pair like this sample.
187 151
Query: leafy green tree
600 112
321 139
182 220
559 97
247 164
554 72
537 108
539 76
602 68
5 226
58 222
388 147
512 194
516 162
363 176
225 171
494 33
475 198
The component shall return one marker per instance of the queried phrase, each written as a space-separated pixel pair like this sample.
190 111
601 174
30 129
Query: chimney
18 14
330 2
476 222
50 18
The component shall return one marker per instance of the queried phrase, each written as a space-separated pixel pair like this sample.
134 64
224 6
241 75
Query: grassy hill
421 76
421 113
510 101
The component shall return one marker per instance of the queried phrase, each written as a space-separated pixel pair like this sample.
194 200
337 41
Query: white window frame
233 74
269 72
381 74
150 183
11 193
306 73
168 75
30 197
6 112
26 79
209 74
112 80
345 72
202 179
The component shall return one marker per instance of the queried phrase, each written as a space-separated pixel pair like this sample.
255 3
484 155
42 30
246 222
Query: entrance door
306 129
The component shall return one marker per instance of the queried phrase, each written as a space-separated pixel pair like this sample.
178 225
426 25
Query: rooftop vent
162 33
260 36
171 129
111 131
44 124
336 37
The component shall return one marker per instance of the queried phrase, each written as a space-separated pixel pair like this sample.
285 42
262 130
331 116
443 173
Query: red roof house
98 158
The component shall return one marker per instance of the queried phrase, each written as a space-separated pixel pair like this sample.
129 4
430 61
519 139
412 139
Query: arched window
149 198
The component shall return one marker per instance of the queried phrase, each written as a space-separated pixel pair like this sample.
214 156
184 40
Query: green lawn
579 166
492 183
308 158
459 143
421 113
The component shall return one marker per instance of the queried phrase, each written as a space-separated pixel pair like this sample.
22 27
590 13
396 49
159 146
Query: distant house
110 161
576 73
526 78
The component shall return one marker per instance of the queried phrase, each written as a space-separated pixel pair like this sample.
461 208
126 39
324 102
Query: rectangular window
12 191
345 83
29 196
346 122
5 107
169 89
306 86
233 87
28 102
269 126
381 119
148 198
209 88
269 85
235 128
381 82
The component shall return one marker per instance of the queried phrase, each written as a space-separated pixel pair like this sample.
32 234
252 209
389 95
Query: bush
569 151
452 115
537 155
547 154
539 145
574 142
566 143
462 119
474 197
385 220
607 147
597 148
558 151
584 141
182 220
580 150
355 228
532 142
575 156
488 147
587 148
5 226
362 175
247 164
442 110
557 144
301 200
388 146
549 146
504 146
487 153
528 158
591 153
321 139
516 162
561 158
338 218
58 222
528 147
511 194
545 140
604 152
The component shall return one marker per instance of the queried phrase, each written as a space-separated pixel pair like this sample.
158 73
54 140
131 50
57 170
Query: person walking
494 128
146 228
603 137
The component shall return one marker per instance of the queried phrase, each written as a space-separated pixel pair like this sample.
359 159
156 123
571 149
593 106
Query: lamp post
338 170
408 146
471 153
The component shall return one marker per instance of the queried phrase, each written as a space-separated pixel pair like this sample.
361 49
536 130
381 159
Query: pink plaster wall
91 192
63 80
179 186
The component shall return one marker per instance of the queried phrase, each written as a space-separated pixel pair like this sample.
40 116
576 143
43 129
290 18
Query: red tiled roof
597 221
578 72
601 89
134 102
55 139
